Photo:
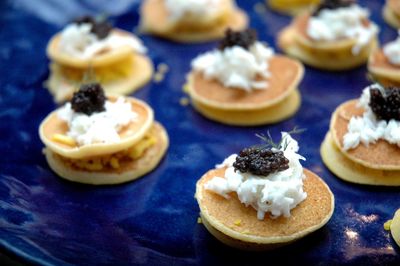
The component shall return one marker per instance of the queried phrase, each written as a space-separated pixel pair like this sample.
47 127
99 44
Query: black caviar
260 161
100 28
243 38
332 4
385 107
89 99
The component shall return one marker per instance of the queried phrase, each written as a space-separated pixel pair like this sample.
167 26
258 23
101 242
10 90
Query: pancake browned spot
379 155
308 216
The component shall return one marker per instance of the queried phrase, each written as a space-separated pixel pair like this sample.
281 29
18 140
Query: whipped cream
101 127
179 9
77 40
276 193
367 128
392 51
343 22
236 67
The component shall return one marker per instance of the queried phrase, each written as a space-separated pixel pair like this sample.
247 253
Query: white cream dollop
236 67
367 128
101 127
392 51
77 40
276 193
343 22
179 9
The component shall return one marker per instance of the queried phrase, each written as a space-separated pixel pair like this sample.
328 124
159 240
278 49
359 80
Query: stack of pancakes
377 164
65 159
236 225
120 70
278 101
328 55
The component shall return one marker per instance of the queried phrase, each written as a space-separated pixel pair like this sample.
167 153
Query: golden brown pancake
382 155
130 135
286 74
62 88
128 170
154 19
103 58
271 114
384 71
328 55
395 227
237 225
292 7
353 172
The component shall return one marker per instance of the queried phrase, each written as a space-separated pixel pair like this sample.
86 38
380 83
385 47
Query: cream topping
236 67
101 127
344 22
277 193
77 40
367 128
179 9
392 51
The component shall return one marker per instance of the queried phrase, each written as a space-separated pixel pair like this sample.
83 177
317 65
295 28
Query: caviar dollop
332 4
89 99
100 28
385 106
243 38
260 161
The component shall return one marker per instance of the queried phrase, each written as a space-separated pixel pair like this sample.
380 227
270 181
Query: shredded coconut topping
77 40
99 127
343 22
367 128
179 9
392 51
236 67
276 193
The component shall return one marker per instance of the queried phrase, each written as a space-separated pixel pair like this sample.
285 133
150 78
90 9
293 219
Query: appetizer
363 142
244 83
191 21
98 140
115 57
337 35
263 198
384 64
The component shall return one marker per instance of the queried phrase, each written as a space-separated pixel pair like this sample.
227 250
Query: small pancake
394 5
128 171
286 74
395 227
292 7
268 115
129 135
220 215
62 88
382 69
337 55
381 155
101 59
350 171
154 19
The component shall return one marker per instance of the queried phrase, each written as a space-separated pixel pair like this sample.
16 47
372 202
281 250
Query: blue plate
153 220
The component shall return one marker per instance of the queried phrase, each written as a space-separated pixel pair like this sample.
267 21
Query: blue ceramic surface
153 220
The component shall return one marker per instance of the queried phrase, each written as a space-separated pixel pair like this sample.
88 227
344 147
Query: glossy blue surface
153 220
